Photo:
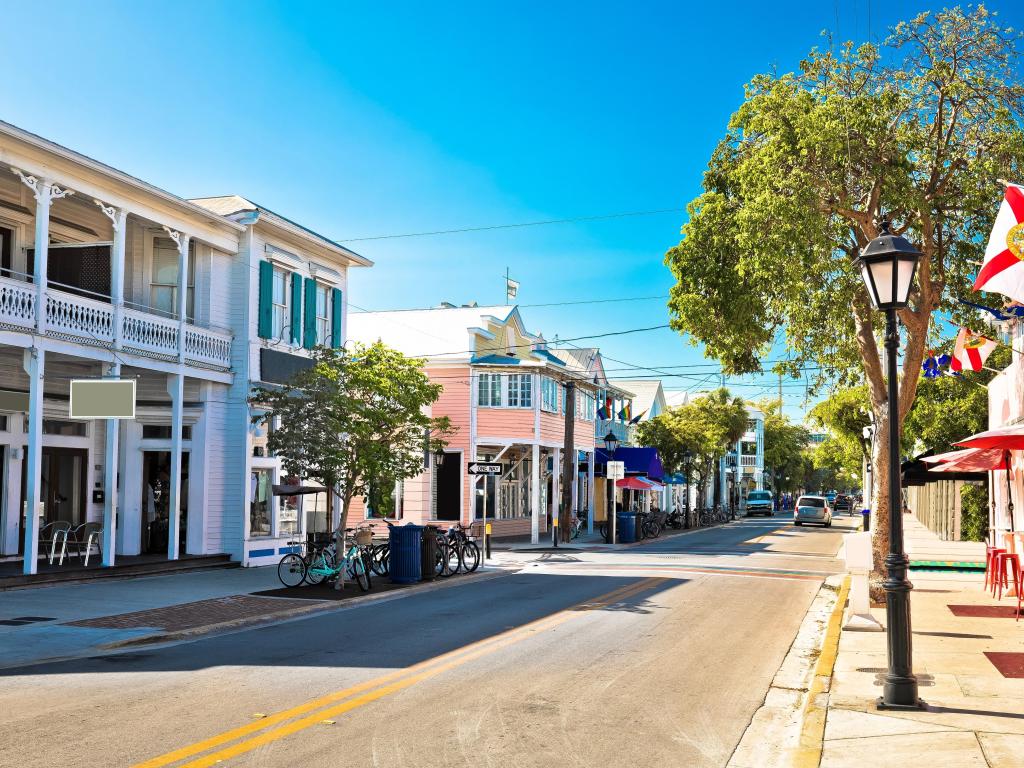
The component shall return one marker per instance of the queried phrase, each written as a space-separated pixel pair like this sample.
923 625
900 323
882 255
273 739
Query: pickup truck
760 503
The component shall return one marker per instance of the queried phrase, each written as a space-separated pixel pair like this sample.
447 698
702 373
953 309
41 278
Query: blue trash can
626 527
404 554
866 514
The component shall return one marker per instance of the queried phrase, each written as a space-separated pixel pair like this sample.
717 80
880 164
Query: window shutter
309 326
265 314
296 319
336 297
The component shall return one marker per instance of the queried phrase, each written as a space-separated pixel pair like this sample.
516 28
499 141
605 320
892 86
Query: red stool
1004 559
990 566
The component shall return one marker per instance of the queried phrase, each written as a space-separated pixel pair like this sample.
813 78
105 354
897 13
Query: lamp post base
917 706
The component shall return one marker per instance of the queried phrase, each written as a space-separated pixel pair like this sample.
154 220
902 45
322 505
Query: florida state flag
1003 271
970 351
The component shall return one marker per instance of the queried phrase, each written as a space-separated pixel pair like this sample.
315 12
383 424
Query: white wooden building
103 275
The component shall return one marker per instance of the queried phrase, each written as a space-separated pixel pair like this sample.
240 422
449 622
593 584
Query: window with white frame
261 503
163 283
489 390
549 395
520 390
281 305
323 320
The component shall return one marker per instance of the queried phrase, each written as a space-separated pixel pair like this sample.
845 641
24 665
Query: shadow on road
386 635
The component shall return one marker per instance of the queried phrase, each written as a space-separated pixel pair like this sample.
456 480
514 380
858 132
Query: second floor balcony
100 323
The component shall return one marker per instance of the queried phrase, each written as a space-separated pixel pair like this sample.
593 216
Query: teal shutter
336 298
296 332
309 326
265 314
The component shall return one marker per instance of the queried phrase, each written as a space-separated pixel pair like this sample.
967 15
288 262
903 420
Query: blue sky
361 120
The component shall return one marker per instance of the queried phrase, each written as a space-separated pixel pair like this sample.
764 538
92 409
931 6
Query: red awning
1008 438
632 484
975 460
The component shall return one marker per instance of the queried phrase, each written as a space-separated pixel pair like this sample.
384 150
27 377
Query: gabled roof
230 206
442 333
646 392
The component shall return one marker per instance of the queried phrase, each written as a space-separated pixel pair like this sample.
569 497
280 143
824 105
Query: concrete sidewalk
969 660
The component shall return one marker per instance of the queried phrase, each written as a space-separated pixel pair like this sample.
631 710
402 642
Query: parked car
760 503
843 503
813 509
831 497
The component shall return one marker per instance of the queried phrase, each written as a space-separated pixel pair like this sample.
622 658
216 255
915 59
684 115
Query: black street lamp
887 265
611 444
687 459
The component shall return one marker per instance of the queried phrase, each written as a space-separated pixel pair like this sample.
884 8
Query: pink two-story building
505 393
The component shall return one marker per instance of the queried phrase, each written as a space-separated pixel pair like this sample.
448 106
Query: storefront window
384 501
260 504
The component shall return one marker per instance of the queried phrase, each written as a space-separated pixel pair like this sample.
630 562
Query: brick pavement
200 613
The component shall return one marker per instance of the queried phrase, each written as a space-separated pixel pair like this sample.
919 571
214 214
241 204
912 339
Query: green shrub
973 512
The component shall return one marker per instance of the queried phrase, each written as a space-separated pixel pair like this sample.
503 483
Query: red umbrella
940 458
1008 438
974 460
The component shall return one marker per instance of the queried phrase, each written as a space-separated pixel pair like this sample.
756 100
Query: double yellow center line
253 735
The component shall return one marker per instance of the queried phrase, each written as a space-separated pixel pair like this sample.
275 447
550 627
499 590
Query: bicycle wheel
322 560
470 556
291 570
357 572
454 563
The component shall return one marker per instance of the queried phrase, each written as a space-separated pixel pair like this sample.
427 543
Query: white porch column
575 480
34 363
110 501
535 495
119 221
176 389
591 459
182 299
556 485
45 192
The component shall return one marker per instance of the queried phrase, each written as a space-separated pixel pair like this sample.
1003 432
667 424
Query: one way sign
481 468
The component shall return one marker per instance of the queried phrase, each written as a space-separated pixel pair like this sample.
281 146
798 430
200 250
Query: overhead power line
518 225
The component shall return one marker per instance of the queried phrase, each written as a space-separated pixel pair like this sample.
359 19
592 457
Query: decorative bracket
114 214
43 190
179 241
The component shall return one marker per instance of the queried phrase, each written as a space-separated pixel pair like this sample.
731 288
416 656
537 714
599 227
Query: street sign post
485 468
616 470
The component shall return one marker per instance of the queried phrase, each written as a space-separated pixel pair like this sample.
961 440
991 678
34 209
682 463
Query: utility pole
568 452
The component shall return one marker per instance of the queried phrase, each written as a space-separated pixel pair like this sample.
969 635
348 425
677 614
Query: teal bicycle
322 565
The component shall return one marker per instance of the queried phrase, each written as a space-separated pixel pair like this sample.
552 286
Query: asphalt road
653 655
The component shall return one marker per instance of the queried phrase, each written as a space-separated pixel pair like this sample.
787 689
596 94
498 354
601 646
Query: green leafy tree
916 130
357 419
705 428
785 444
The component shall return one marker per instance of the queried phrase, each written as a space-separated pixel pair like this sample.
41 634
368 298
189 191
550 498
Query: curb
788 728
276 617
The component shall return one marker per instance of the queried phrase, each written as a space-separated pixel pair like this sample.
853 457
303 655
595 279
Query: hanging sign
102 399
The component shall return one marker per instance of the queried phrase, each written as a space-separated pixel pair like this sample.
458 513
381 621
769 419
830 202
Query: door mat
1008 664
328 592
946 565
985 611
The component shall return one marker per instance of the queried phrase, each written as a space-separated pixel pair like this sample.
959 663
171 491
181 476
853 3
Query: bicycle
294 568
578 522
353 564
461 550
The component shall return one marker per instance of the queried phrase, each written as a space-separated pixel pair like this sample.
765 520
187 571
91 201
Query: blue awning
638 461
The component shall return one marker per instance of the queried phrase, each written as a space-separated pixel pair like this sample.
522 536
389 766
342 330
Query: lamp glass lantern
611 442
887 265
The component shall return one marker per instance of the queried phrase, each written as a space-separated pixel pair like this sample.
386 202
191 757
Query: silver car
812 509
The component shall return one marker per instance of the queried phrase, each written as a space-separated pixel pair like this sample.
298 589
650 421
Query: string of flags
1002 271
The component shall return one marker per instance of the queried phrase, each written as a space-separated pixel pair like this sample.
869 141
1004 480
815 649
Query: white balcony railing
748 461
88 321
